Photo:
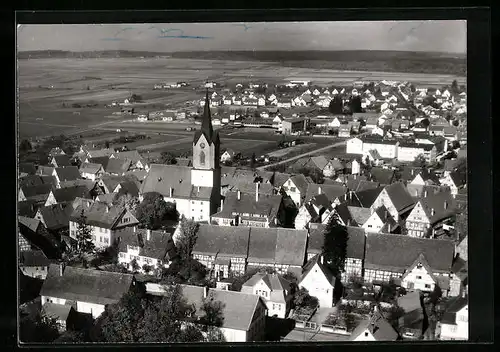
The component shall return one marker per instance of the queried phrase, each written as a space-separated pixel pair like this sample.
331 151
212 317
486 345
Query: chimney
148 234
171 192
61 269
257 192
321 258
221 204
446 204
416 193
205 291
134 228
350 195
107 209
239 195
433 212
412 172
319 190
425 193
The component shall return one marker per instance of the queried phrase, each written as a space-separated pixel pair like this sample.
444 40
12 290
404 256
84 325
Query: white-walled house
454 324
354 146
374 328
104 221
274 290
86 290
319 281
296 187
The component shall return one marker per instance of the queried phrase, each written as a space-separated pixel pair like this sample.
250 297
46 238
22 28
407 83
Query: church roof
206 125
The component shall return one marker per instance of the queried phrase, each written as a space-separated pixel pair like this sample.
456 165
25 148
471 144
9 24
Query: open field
101 81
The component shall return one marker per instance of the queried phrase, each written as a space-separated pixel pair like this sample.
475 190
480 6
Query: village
362 237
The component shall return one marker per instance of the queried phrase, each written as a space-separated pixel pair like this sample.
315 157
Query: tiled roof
132 155
301 182
399 196
33 259
355 242
30 181
367 197
28 168
326 272
45 170
442 204
27 208
359 214
100 152
184 162
90 168
56 311
290 246
266 206
99 214
382 176
250 188
86 285
62 160
117 166
159 246
262 246
56 216
102 160
33 191
316 238
398 252
68 194
163 177
331 191
225 240
67 173
280 178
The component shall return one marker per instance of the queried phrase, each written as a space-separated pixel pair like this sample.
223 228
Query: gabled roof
276 283
401 199
250 188
60 312
458 178
316 238
117 166
86 285
382 176
28 168
130 187
99 214
359 215
385 216
290 246
332 192
68 194
280 178
45 170
56 216
438 206
452 308
27 208
316 260
320 161
30 223
398 252
378 326
367 197
30 180
33 191
355 242
228 241
102 160
301 182
90 168
62 160
132 155
33 259
266 206
97 153
159 246
410 301
67 173
262 245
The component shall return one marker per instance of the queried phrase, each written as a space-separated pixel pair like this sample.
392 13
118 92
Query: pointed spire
206 125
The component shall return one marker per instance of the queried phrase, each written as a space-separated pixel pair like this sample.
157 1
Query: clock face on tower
202 145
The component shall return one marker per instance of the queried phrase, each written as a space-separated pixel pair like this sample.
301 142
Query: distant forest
360 60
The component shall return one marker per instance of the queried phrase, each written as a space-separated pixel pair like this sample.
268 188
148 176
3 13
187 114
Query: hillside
387 61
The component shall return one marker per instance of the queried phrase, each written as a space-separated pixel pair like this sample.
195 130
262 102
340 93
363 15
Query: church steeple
206 124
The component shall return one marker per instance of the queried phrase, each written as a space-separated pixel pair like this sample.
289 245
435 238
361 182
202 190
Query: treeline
63 54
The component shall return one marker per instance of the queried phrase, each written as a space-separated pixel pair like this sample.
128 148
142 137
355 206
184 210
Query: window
419 277
427 286
453 328
293 189
192 202
202 158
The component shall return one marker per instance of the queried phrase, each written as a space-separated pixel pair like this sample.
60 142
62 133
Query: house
244 314
101 160
151 250
105 221
316 210
295 187
387 148
228 155
34 263
318 163
345 131
91 171
454 324
429 215
414 323
27 168
67 194
382 176
416 263
396 199
136 160
380 221
333 167
408 151
28 208
456 180
37 237
243 209
97 153
35 180
68 173
319 281
374 328
56 151
315 240
64 315
274 290
86 290
61 160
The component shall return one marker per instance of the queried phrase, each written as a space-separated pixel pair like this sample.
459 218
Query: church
195 190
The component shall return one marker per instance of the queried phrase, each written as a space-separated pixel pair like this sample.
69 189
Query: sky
437 36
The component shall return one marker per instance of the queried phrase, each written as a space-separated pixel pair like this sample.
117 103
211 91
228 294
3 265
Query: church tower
206 170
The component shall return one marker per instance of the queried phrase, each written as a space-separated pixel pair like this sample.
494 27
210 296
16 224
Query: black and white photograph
242 182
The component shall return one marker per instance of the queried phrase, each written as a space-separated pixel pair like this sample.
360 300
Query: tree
335 245
335 107
186 240
168 158
71 336
355 104
213 312
153 211
126 200
25 146
134 265
456 123
106 144
252 161
37 329
302 299
85 244
420 161
454 87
